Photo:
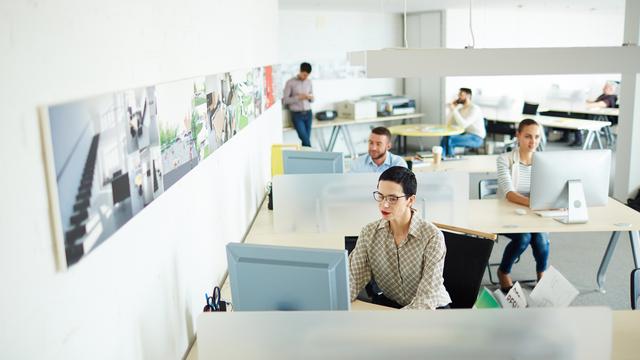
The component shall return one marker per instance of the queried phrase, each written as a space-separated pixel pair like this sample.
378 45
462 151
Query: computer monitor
312 162
269 277
570 179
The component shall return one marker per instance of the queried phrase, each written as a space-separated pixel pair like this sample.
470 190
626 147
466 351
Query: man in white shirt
379 158
464 113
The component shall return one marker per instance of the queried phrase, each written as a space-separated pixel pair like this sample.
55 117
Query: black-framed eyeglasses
391 199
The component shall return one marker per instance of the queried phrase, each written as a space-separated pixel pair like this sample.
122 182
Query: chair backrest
487 188
530 108
464 265
635 288
500 128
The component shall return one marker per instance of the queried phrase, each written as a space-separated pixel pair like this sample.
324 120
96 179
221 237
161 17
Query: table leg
599 140
349 142
634 237
588 140
606 258
320 138
334 137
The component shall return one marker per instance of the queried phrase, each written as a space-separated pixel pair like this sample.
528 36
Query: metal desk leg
334 136
588 140
597 135
606 258
349 142
320 138
634 237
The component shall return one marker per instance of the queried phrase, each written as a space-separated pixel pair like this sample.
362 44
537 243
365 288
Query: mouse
521 211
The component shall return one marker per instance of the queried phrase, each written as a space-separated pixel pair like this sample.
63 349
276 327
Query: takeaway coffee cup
437 154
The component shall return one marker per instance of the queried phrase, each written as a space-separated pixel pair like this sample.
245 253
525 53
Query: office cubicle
344 202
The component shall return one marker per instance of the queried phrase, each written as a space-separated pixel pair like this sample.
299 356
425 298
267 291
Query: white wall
515 28
325 35
138 294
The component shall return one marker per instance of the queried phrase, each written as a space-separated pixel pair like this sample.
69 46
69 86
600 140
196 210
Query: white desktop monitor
269 277
557 175
312 162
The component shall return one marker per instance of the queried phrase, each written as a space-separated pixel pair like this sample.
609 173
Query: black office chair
635 288
464 264
530 108
371 289
488 189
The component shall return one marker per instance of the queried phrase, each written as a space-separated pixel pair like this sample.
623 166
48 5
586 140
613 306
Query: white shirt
468 117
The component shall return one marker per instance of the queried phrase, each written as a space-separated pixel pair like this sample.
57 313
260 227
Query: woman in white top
514 180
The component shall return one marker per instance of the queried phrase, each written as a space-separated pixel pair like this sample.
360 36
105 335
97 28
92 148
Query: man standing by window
298 96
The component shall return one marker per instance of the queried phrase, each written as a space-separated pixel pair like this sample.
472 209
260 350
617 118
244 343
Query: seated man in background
464 113
379 158
608 99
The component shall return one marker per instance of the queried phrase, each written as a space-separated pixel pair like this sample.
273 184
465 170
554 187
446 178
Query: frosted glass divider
344 202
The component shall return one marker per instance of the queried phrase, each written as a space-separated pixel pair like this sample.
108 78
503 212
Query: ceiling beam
402 62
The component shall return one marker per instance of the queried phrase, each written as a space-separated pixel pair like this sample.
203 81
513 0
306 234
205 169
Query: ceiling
397 6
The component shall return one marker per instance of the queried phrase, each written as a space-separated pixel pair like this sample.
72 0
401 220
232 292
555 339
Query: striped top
510 179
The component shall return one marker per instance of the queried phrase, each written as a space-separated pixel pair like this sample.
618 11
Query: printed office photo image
103 166
109 156
179 123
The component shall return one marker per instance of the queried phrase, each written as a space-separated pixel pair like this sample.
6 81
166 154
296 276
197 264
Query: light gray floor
577 256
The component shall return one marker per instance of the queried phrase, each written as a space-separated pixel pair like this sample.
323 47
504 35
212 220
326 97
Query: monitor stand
576 204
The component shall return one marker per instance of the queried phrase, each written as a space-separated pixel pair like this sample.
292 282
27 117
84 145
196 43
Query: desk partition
344 202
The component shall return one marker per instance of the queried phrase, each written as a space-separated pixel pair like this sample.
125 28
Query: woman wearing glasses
402 252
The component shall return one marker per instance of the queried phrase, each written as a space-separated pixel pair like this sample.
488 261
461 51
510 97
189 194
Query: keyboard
553 213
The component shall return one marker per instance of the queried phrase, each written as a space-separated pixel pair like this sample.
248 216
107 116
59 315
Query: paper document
553 290
515 298
486 300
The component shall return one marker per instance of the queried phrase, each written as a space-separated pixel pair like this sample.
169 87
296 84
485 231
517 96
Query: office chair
371 289
464 264
488 189
530 108
635 288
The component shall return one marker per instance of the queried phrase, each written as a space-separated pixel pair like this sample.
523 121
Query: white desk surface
585 110
342 121
558 122
469 163
625 336
499 216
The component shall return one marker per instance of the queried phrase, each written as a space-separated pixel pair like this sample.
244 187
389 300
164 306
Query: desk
598 114
341 125
467 163
422 130
498 216
592 127
624 329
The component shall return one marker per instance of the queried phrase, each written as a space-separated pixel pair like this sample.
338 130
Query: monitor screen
269 277
551 171
312 162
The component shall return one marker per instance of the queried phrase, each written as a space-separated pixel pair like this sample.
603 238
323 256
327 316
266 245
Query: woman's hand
518 198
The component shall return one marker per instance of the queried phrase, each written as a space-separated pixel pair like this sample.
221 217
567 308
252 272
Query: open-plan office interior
144 254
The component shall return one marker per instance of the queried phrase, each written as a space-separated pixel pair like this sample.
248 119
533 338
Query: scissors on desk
213 302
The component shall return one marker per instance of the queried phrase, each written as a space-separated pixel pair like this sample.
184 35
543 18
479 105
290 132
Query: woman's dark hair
526 122
402 176
305 67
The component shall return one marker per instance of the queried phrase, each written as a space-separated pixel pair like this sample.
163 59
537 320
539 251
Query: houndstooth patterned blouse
411 273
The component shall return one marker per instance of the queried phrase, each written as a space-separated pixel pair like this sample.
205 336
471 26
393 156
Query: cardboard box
362 109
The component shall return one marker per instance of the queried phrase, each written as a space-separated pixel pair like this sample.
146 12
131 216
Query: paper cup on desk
437 154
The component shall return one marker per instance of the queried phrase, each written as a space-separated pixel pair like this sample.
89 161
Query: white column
627 179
